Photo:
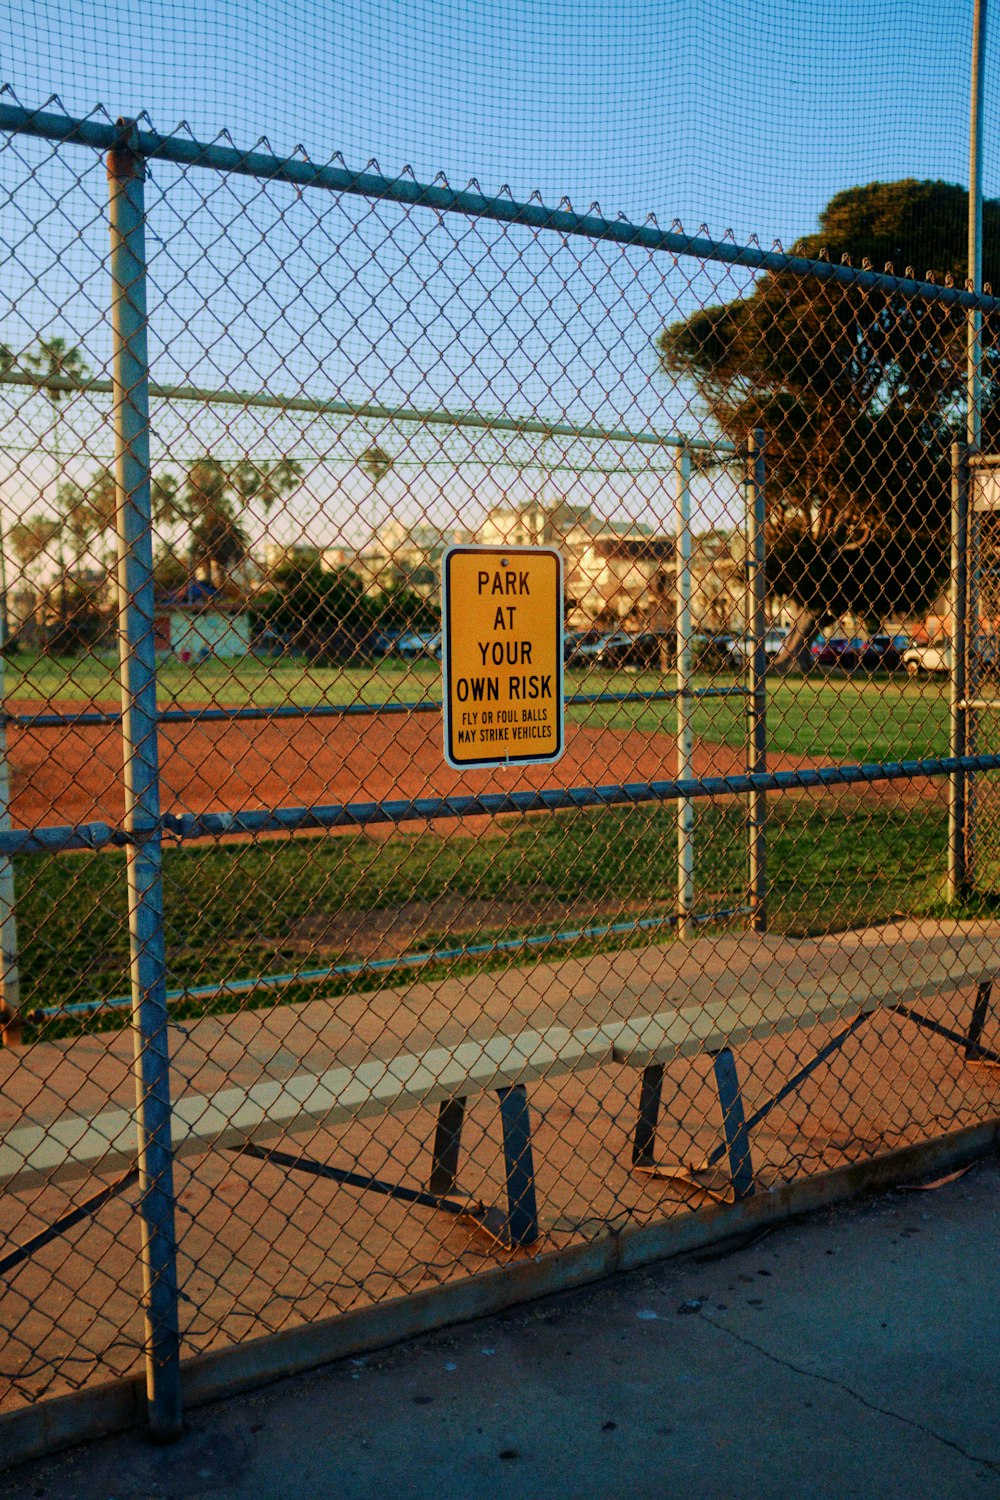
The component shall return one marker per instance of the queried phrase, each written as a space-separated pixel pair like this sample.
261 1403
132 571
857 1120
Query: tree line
860 395
199 514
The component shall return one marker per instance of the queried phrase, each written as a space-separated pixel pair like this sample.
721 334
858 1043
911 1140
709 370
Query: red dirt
65 776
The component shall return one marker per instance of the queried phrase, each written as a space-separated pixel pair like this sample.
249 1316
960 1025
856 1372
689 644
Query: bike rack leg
979 1013
447 1143
734 1124
522 1210
644 1144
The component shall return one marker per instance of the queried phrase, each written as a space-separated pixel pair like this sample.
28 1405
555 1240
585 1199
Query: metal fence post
685 807
959 712
10 976
974 324
126 173
757 678
965 687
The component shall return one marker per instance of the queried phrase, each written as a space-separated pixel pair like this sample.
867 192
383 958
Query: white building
193 632
617 572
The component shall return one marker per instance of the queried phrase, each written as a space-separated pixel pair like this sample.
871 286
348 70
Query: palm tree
57 366
86 513
31 539
210 502
265 483
376 463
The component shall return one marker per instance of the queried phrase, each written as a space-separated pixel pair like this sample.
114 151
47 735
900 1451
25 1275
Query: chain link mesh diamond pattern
425 1022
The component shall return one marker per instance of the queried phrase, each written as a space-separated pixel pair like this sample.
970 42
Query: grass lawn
236 684
231 910
844 720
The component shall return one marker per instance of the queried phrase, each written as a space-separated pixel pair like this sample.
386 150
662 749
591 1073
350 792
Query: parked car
930 659
579 646
648 649
588 650
837 651
336 648
934 659
712 652
883 653
741 647
417 644
384 642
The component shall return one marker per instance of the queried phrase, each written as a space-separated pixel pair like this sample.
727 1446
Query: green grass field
237 684
237 911
232 911
844 720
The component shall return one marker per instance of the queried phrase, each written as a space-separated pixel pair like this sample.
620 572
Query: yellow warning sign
502 643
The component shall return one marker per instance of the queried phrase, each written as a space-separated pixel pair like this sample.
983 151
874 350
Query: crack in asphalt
884 1411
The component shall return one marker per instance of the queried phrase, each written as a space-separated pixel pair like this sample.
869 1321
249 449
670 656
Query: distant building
399 554
719 583
622 580
537 524
197 634
279 555
617 572
198 622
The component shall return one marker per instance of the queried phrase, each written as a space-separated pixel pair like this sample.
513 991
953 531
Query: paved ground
854 1354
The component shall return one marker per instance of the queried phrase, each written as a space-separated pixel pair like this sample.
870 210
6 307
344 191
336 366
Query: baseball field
238 909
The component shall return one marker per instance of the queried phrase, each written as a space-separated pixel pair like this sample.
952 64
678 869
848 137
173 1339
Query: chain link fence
300 1018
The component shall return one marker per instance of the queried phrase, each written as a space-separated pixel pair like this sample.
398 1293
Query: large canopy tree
324 613
860 395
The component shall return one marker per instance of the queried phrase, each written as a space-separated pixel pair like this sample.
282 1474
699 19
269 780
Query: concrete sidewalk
853 1354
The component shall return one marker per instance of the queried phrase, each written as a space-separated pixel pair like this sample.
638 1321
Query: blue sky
745 114
742 114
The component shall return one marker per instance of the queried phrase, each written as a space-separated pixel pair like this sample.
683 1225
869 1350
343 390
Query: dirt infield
73 775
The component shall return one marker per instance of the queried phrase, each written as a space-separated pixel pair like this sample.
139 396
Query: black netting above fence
749 115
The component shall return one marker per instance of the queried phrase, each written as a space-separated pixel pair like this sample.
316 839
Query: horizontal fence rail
429 809
417 416
339 710
419 958
61 129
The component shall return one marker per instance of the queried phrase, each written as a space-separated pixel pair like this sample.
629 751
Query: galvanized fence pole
974 323
126 172
958 871
757 678
685 807
965 686
10 976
